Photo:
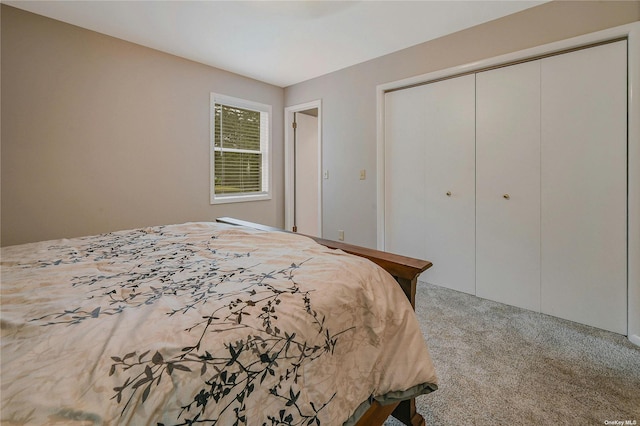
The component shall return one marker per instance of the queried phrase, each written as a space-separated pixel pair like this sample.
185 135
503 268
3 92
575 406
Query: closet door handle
506 196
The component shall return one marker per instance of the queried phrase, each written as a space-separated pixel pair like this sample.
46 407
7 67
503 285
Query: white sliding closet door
584 186
449 185
430 178
404 172
508 185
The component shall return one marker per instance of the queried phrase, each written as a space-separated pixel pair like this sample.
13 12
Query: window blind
239 143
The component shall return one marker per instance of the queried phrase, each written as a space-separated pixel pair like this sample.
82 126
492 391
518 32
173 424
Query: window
240 139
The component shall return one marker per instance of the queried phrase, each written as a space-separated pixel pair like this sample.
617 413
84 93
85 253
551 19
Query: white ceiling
279 42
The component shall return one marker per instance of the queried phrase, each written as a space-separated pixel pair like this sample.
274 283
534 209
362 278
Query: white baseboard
635 339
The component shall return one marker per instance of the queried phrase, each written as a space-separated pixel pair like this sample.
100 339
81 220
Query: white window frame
265 150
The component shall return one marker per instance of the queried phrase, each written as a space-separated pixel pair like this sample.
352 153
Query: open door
303 169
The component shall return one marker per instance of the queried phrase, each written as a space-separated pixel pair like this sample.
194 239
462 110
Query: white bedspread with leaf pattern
200 323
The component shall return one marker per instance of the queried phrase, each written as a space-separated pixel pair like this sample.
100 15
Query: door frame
289 162
629 31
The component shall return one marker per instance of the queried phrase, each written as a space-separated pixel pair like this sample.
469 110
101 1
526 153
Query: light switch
363 174
325 174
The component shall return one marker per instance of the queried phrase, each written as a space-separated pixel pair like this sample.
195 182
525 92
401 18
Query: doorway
303 168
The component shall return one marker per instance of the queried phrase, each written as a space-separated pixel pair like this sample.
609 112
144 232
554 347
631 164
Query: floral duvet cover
201 323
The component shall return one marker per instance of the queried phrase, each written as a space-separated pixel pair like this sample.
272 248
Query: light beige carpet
501 365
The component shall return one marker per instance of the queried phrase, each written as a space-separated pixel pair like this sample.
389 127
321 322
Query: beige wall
99 134
349 96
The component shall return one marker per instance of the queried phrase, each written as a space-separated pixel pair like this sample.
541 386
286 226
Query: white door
430 178
508 185
449 213
303 168
405 172
306 174
584 186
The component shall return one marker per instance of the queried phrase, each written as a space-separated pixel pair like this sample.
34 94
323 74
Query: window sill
225 199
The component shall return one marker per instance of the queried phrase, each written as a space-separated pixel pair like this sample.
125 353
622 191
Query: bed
225 323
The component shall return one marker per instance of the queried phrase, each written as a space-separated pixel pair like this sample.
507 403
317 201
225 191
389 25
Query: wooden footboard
405 270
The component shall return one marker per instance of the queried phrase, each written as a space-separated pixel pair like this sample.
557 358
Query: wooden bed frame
405 270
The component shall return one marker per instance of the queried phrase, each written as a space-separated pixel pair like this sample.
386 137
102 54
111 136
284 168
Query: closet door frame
632 33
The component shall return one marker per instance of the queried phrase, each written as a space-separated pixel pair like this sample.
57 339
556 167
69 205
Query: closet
513 182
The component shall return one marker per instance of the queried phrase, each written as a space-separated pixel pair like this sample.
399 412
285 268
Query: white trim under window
240 141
